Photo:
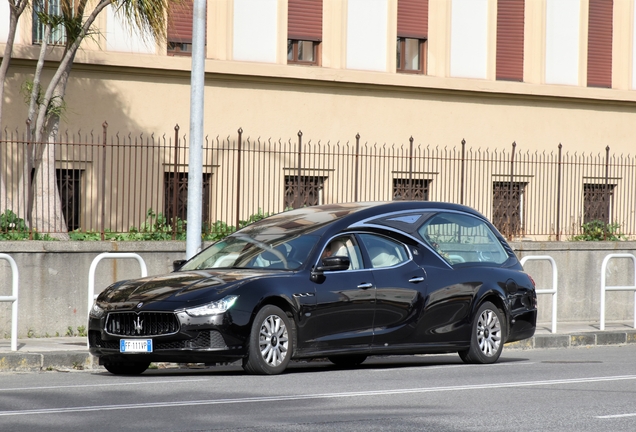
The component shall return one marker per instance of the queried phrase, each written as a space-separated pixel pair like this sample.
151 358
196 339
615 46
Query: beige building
535 72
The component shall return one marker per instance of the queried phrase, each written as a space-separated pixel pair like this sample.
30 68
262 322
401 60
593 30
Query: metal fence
109 183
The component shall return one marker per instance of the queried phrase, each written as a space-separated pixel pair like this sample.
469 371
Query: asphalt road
580 389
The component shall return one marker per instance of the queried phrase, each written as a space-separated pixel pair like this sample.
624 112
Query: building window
304 32
597 202
599 43
303 191
176 196
412 32
508 201
510 40
69 187
302 52
51 8
179 49
410 55
179 33
410 189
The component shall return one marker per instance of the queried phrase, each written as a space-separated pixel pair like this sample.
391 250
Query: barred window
508 202
69 186
410 189
303 191
597 202
176 196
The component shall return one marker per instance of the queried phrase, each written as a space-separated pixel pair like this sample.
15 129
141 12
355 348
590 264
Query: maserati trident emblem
140 305
139 325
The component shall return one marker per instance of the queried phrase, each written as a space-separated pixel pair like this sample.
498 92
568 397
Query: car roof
317 219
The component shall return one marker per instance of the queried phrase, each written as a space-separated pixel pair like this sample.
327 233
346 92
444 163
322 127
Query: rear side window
460 238
384 252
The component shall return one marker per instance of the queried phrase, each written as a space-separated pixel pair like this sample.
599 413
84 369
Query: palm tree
148 17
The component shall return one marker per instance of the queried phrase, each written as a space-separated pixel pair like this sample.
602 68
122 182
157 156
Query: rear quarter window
460 238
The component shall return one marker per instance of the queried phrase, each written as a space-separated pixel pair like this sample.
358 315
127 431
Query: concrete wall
53 279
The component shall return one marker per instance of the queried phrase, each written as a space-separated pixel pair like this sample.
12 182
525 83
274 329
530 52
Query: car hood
183 287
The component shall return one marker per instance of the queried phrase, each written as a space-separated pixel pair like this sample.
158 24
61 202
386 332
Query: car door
345 304
400 286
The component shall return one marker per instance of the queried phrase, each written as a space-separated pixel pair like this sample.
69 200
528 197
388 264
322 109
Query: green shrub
598 230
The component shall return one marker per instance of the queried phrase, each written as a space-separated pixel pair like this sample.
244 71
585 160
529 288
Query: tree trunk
16 10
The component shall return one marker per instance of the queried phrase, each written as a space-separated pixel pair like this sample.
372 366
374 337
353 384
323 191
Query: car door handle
416 279
365 285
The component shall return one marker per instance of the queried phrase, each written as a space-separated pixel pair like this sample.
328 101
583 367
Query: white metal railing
552 291
109 255
605 288
14 299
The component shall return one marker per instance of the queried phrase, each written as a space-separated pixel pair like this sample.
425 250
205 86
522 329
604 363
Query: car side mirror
176 264
333 263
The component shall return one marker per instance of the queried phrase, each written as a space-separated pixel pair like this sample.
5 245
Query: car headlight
214 308
96 311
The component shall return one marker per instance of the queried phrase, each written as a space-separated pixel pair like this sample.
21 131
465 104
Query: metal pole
175 182
104 140
461 194
195 168
558 203
411 168
510 200
297 202
355 198
238 178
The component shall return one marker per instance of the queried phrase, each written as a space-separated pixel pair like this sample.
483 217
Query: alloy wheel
488 333
273 340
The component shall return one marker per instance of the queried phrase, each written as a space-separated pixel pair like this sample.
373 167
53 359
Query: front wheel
486 341
126 367
270 343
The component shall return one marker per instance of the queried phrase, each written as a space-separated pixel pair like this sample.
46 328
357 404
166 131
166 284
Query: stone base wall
53 279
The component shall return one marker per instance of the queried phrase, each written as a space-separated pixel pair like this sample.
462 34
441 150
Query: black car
341 281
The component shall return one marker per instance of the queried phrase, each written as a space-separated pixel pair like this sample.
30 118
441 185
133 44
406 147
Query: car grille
142 324
205 339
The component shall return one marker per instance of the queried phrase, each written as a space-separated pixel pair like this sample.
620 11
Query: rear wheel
126 368
348 360
486 341
270 343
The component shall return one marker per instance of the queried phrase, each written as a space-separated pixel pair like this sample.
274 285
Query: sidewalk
71 353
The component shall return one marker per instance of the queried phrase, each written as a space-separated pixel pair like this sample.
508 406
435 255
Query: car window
264 251
384 252
345 246
462 239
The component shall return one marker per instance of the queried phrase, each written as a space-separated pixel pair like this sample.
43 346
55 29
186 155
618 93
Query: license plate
135 345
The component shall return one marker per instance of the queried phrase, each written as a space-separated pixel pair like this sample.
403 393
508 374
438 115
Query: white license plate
135 345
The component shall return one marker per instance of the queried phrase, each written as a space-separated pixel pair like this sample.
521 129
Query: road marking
616 416
280 398
116 384
462 365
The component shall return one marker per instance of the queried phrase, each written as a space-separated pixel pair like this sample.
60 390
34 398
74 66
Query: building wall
132 83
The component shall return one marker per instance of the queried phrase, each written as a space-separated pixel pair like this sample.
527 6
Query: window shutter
510 23
412 19
304 20
180 22
599 44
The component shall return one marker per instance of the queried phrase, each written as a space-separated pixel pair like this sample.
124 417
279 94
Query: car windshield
248 252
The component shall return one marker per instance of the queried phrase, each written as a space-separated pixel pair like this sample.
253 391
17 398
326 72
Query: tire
352 360
126 368
271 342
487 336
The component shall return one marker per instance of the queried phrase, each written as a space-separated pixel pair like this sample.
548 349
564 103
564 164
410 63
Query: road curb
575 340
49 361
